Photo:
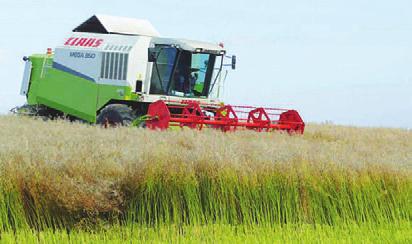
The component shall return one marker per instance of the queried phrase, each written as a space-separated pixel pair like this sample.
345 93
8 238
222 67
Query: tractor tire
115 115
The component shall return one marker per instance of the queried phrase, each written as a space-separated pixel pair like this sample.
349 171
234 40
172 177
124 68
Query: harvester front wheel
116 115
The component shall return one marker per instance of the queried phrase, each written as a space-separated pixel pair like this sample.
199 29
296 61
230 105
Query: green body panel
69 93
109 92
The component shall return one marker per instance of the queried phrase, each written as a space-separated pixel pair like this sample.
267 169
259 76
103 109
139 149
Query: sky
345 62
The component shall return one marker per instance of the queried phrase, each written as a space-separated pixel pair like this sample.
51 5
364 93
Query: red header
83 42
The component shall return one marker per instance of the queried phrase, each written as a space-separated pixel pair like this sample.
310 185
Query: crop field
66 182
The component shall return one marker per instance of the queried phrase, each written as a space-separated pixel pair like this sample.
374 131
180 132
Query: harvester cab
114 70
184 68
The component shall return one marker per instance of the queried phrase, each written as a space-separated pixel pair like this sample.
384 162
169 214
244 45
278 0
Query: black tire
114 115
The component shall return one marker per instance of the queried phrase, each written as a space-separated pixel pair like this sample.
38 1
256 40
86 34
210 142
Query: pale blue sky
348 62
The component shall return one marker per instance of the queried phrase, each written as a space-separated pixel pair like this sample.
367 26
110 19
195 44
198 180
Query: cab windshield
182 73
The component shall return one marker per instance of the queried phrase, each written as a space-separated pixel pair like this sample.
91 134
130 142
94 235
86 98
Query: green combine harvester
119 71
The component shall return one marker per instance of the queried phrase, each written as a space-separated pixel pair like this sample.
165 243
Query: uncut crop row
62 175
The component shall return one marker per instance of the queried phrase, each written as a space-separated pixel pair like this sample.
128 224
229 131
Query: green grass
333 183
222 234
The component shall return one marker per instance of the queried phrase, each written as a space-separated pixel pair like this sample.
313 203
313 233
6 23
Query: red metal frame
195 115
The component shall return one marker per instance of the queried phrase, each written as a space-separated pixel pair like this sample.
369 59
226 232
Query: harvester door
162 69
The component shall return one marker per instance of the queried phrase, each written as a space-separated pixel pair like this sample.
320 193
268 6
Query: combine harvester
119 71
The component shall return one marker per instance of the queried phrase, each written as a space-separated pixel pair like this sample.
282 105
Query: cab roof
191 45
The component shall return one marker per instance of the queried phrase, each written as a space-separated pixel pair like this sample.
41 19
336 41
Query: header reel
195 115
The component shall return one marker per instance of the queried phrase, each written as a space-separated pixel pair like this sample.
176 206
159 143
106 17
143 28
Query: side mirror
234 62
152 55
